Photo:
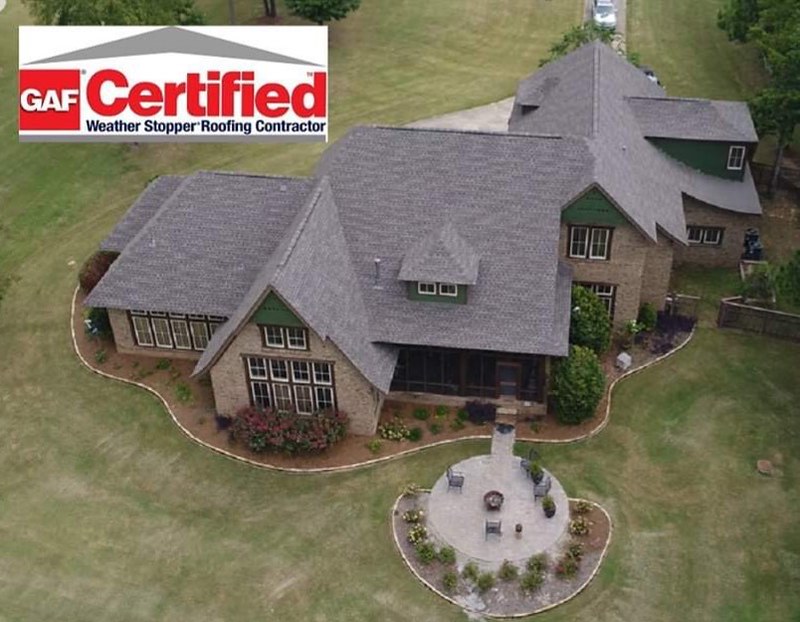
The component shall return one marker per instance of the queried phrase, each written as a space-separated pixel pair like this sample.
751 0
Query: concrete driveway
489 118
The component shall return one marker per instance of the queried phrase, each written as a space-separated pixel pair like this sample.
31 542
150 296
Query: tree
578 384
575 37
589 324
787 280
321 11
776 112
269 8
117 12
737 17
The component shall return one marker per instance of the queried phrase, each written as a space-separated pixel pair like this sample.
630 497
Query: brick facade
354 393
123 338
657 271
727 253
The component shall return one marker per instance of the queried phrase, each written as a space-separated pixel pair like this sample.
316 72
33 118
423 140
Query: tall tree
321 11
575 37
776 112
122 12
737 17
269 8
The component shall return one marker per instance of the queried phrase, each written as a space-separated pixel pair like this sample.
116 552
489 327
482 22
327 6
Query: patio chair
454 480
542 488
525 465
493 527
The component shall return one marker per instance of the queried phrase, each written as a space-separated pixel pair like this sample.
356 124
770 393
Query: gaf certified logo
118 83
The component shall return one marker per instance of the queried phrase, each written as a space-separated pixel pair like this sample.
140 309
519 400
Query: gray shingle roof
395 186
204 246
157 191
694 119
442 256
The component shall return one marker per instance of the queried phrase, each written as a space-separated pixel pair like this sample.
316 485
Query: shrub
531 581
163 364
582 507
414 515
441 411
480 412
415 434
263 430
462 415
100 356
787 280
417 534
447 555
647 316
375 445
567 567
99 324
395 430
578 384
758 285
183 392
508 571
421 414
579 526
457 424
589 325
410 490
449 581
470 572
426 552
537 563
485 582
435 428
94 268
575 550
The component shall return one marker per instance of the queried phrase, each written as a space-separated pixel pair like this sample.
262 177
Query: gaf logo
118 84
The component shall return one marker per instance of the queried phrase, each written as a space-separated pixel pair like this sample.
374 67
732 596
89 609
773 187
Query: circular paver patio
458 517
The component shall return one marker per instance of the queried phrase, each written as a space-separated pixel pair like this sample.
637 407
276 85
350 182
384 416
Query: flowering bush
410 490
582 507
579 526
414 515
264 430
417 534
395 430
567 567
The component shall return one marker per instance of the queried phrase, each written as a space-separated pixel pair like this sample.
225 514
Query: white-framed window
172 331
598 248
605 292
296 338
279 370
448 289
578 241
273 337
162 333
736 155
303 386
323 373
426 289
199 334
707 236
589 242
141 331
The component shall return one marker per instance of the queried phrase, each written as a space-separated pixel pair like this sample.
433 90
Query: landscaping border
374 461
496 616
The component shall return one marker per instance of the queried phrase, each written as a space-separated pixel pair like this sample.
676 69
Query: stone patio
458 518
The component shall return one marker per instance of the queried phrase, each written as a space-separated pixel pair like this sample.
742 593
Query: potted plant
549 506
537 472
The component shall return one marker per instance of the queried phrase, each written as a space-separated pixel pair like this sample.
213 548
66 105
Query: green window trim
417 289
592 208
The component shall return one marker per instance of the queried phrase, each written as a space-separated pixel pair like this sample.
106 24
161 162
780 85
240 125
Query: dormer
440 267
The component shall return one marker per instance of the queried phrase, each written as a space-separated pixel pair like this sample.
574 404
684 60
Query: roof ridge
249 174
596 92
687 99
314 199
447 130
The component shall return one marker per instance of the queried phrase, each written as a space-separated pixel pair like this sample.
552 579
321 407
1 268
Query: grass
109 513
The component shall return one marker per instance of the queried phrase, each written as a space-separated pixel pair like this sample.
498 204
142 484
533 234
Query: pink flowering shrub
271 430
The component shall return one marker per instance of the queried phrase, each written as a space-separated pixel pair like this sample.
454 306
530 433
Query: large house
434 263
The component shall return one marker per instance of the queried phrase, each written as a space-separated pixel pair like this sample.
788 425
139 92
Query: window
589 242
296 337
736 157
285 337
305 387
448 289
172 330
426 289
606 294
708 236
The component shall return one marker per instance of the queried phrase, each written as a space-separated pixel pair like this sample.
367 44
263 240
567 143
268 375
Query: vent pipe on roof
377 282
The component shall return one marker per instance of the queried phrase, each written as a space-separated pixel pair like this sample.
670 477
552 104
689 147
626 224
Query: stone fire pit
493 500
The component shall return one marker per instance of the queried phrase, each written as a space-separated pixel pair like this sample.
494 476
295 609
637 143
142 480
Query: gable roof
594 92
311 272
442 256
693 119
203 247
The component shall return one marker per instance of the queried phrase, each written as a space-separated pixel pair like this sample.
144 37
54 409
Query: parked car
604 14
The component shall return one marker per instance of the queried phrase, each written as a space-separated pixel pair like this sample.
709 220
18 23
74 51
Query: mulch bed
507 598
191 401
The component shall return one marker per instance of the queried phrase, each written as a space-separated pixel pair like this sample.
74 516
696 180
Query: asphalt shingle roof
442 256
694 119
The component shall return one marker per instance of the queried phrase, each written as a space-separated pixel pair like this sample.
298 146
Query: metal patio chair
454 480
493 527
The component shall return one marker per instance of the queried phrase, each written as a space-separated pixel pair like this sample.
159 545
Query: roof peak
442 256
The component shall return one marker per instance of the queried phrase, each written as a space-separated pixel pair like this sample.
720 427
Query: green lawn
108 513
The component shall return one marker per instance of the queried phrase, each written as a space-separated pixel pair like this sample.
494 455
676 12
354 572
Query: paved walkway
489 118
458 518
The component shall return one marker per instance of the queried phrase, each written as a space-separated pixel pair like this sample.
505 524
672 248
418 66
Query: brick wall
657 272
726 254
355 395
123 338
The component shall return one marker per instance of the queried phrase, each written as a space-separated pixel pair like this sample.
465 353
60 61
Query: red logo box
49 99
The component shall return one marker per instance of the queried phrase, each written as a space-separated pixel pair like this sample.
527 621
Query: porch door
508 380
